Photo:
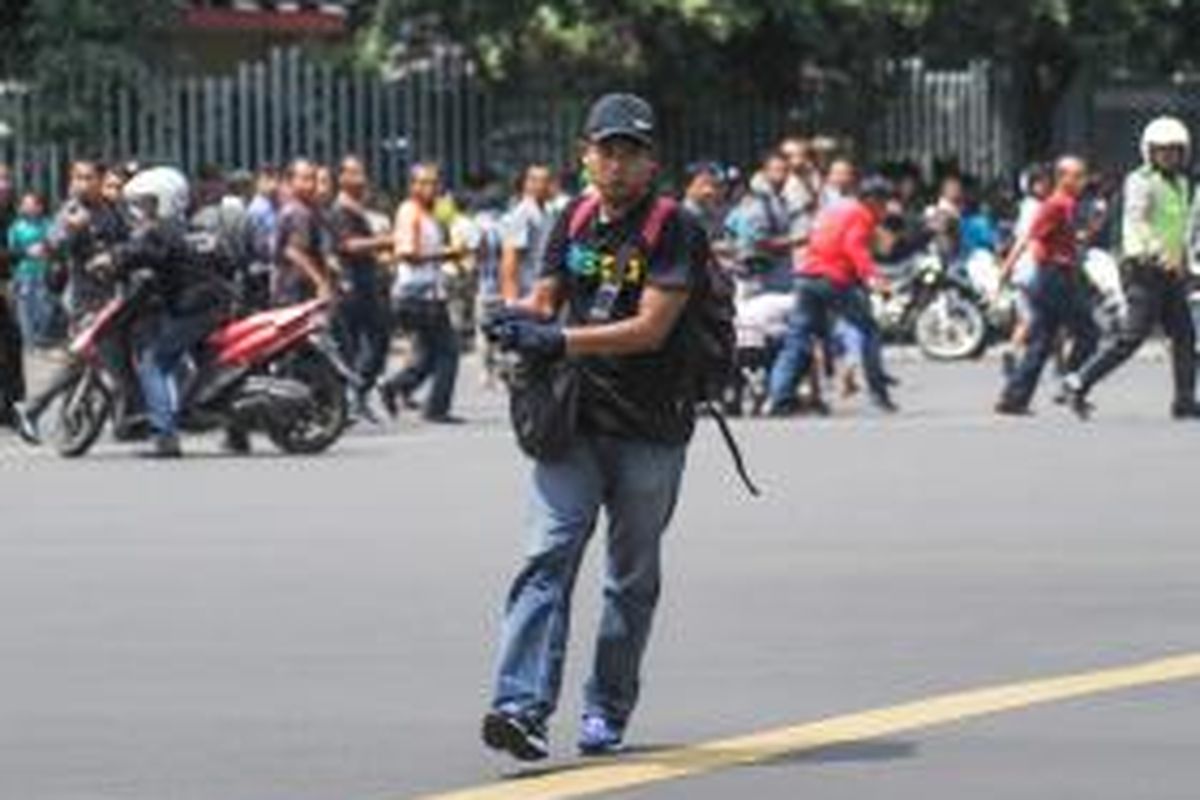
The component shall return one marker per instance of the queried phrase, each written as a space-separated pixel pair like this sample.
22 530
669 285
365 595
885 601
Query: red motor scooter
275 371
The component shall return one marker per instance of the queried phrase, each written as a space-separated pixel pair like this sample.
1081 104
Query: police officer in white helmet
1154 244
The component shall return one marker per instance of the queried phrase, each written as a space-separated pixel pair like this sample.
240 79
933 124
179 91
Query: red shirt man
1053 238
839 249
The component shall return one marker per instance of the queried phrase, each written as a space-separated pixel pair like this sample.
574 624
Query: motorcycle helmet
1033 174
164 188
1165 132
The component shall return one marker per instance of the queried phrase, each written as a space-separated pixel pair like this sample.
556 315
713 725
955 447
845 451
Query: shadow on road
669 755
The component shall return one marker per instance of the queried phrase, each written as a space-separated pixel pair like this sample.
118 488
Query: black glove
495 320
532 338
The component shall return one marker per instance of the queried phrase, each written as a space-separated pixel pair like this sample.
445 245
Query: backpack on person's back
709 317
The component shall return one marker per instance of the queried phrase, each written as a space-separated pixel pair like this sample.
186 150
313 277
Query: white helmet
1165 132
166 185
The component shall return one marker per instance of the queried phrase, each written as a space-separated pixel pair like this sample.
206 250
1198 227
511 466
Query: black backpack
709 317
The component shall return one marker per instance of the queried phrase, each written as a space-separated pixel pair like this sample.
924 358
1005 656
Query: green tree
675 49
74 50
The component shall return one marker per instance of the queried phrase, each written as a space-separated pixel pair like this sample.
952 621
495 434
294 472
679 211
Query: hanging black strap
739 462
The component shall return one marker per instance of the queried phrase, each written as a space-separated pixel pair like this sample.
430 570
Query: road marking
576 780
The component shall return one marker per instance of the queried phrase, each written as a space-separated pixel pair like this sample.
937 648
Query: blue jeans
1059 300
34 307
166 344
818 305
637 484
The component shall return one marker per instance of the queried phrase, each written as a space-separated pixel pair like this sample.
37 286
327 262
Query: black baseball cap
620 115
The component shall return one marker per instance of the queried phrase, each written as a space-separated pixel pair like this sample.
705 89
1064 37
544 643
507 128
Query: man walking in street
421 304
301 269
624 302
362 316
834 280
1058 292
1154 251
526 227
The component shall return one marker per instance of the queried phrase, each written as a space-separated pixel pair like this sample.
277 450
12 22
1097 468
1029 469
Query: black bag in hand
543 405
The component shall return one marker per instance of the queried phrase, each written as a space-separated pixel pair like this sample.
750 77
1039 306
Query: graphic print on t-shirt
586 261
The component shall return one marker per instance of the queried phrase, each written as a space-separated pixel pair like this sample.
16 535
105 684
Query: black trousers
12 364
435 354
363 333
1155 297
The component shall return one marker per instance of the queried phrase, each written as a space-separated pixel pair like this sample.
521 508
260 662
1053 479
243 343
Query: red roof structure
303 17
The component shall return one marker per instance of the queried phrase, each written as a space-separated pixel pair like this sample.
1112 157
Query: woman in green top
31 294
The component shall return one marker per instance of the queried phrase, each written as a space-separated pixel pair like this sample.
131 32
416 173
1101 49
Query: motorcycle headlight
929 278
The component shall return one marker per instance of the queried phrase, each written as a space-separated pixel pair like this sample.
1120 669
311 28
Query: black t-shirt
299 227
641 396
106 228
361 270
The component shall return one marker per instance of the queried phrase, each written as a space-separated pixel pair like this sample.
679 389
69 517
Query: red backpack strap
652 229
587 207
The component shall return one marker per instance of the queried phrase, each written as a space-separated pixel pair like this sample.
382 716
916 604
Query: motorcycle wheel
951 327
322 423
83 408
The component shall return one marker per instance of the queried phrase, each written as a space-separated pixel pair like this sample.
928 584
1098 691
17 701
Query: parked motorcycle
276 371
942 311
761 325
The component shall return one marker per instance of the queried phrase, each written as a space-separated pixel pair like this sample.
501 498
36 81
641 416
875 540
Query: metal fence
292 104
965 116
1102 118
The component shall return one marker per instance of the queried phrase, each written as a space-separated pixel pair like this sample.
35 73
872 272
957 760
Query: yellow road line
634 771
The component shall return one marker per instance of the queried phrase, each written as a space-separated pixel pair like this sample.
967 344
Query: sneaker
387 396
26 424
522 738
783 410
1186 410
884 403
820 408
1076 397
599 737
1007 408
164 447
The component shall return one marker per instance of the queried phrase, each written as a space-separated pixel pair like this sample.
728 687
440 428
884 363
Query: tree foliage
733 48
72 49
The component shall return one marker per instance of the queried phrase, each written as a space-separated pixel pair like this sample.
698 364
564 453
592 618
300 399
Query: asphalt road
323 629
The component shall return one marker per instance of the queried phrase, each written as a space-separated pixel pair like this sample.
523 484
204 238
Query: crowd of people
604 293
803 231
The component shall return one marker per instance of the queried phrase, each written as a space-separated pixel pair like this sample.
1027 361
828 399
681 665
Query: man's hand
880 286
77 219
532 338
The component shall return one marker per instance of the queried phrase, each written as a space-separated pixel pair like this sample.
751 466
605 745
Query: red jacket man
840 247
837 265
